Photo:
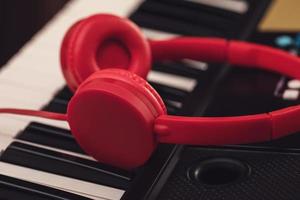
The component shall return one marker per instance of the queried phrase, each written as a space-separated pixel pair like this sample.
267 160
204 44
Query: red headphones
118 118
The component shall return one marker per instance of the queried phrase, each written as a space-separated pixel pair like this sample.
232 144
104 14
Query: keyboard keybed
42 153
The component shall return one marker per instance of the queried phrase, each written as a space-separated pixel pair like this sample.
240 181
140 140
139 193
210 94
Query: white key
196 64
158 35
294 84
83 188
16 85
238 6
290 94
172 80
10 127
4 142
12 124
14 95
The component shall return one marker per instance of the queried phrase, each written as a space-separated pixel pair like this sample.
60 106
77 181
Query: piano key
240 6
11 188
79 155
170 93
291 94
172 80
4 142
83 188
11 125
50 136
175 104
172 108
184 68
33 80
57 105
7 140
208 8
65 165
123 8
293 84
195 64
21 97
158 35
64 94
205 19
164 23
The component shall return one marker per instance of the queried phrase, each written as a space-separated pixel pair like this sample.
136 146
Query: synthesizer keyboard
41 160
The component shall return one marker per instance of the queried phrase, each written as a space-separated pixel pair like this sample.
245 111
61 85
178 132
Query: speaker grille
271 175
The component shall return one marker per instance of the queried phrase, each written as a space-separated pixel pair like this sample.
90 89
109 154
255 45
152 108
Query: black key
57 105
171 107
65 94
170 93
188 15
150 20
60 101
66 165
50 136
172 110
12 189
181 68
200 7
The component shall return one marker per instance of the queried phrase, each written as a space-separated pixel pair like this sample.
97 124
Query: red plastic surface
103 41
239 129
203 49
285 121
263 57
213 130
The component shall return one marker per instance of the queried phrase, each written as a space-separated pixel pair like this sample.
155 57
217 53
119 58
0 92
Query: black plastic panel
271 175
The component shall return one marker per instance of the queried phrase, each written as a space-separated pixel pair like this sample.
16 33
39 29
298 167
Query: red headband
228 130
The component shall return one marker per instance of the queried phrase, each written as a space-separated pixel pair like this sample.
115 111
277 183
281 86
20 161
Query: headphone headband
243 54
227 130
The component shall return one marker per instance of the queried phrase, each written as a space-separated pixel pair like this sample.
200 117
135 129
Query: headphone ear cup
103 41
65 58
112 117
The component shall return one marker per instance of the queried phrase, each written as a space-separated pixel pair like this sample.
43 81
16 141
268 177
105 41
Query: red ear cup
103 41
112 116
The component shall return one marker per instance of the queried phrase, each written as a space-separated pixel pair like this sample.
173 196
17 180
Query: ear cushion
103 41
112 116
136 82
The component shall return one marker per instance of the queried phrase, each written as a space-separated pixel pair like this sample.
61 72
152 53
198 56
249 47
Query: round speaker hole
218 171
